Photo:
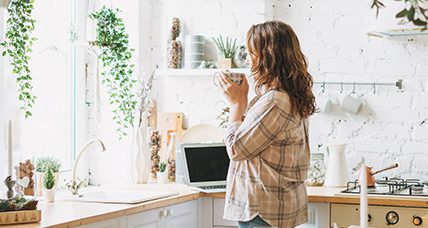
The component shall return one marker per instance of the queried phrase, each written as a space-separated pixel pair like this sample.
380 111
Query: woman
268 144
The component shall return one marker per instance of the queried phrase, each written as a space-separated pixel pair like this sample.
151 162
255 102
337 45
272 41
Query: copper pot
371 181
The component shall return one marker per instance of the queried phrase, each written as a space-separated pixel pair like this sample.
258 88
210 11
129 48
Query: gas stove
382 216
392 186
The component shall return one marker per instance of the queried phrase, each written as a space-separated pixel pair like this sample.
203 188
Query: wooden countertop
65 213
70 213
331 195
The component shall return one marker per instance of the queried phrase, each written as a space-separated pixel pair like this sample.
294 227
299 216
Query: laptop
205 166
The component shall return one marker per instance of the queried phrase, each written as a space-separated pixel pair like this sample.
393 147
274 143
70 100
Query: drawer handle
170 212
164 213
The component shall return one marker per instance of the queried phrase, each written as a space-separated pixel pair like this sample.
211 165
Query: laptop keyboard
213 187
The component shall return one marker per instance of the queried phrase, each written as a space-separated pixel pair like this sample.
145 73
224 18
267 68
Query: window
51 129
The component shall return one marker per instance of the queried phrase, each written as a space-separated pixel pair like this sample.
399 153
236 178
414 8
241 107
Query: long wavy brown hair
278 63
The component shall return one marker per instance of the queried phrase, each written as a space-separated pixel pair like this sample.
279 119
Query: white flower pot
39 181
4 3
49 195
162 177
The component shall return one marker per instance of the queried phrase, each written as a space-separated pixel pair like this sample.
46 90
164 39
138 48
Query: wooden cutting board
168 122
18 217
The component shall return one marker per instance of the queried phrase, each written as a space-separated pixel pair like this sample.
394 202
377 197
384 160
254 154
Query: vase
225 63
140 154
161 177
49 195
39 182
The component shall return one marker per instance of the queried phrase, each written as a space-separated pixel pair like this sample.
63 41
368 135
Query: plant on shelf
227 49
48 186
414 12
17 45
113 42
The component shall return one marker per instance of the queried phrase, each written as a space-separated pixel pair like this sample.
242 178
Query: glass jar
171 156
316 173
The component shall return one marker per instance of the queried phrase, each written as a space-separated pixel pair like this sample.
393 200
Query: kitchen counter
71 213
63 213
331 195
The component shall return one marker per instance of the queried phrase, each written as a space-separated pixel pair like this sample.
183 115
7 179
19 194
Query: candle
10 149
363 197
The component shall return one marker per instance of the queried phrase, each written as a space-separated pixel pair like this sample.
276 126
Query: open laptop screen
207 163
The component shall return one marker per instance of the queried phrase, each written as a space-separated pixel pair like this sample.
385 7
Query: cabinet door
147 219
218 214
182 215
319 216
111 223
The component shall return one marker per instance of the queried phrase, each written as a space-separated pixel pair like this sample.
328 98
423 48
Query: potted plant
112 42
17 45
42 165
227 50
48 186
161 175
414 11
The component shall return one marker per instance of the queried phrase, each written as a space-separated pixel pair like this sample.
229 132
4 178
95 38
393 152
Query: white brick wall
333 37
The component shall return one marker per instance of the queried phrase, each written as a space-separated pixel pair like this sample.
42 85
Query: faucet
74 186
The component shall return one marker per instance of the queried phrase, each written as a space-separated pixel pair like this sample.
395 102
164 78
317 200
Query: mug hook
353 87
323 87
374 87
341 87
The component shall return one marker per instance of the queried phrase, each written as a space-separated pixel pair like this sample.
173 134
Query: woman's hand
234 93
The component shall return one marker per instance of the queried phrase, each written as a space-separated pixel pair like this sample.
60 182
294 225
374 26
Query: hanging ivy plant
17 45
113 41
414 11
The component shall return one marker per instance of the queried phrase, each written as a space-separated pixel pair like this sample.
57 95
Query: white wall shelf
195 72
398 33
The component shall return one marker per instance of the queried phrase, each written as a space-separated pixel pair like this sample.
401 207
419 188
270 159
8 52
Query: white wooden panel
218 214
111 223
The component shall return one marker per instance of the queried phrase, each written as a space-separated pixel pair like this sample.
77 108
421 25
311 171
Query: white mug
324 103
352 103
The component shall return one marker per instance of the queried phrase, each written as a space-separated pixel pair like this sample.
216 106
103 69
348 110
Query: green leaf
402 13
419 22
411 14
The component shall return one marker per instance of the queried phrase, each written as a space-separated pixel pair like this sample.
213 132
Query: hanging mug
352 103
324 102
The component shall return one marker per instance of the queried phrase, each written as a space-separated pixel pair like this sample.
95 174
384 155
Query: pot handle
385 169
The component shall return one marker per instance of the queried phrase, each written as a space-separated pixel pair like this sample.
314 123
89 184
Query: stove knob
392 218
417 221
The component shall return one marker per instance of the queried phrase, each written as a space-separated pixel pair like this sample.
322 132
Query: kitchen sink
119 196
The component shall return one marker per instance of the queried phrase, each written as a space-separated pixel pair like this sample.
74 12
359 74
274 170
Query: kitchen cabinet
178 215
147 219
318 213
318 216
110 223
218 208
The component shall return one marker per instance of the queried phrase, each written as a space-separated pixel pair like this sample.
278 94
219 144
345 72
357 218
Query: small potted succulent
42 165
227 49
162 176
48 186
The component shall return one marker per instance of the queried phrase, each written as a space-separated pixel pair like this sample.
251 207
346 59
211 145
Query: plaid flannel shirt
269 154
